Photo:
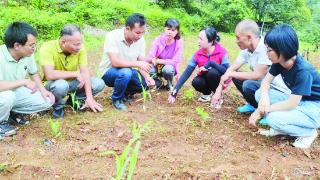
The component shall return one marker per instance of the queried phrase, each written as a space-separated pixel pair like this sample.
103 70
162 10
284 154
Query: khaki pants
21 100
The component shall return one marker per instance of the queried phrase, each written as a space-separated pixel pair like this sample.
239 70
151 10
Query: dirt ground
179 145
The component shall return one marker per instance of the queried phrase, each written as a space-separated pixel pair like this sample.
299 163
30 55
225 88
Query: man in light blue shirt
19 95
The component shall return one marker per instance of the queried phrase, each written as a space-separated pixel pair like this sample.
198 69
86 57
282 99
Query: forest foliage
48 16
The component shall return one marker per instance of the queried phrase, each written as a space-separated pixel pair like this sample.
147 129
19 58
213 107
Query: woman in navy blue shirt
297 114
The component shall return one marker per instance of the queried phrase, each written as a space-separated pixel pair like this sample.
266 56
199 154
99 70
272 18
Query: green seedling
75 102
55 128
188 95
3 168
145 94
202 113
127 161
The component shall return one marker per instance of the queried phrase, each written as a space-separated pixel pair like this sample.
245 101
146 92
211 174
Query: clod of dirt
110 130
307 153
285 154
47 142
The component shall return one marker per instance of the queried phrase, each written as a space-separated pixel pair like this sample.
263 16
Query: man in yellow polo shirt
18 94
64 62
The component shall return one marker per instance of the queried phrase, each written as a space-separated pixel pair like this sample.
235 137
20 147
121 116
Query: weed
188 96
192 122
202 113
145 93
55 128
3 168
75 102
127 161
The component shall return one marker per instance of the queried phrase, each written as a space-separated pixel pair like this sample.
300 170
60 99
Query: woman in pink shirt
166 53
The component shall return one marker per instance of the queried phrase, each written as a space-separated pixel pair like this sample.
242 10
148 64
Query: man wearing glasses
18 95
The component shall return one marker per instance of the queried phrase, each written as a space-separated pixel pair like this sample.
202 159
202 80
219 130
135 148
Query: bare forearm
57 74
8 85
87 82
245 75
120 63
265 86
144 74
37 80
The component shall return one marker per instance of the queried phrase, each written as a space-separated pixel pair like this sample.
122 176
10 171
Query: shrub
47 27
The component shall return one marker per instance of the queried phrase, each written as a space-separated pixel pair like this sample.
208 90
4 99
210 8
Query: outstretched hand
254 117
93 105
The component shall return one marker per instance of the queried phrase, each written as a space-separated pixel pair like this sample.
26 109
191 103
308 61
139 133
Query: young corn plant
75 102
203 114
3 168
127 161
188 96
145 94
55 128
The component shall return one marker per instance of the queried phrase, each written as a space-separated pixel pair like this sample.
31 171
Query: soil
179 144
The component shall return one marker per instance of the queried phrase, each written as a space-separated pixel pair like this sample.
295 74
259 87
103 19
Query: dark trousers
125 82
207 82
248 88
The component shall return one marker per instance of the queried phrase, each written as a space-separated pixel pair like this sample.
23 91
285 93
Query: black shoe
58 113
118 104
158 83
128 99
17 119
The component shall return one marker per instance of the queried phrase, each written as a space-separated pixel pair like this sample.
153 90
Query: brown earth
179 145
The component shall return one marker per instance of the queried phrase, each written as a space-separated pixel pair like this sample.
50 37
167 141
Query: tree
280 11
225 14
185 4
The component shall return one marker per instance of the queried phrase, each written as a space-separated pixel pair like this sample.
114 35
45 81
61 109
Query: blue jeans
300 121
125 82
248 88
60 88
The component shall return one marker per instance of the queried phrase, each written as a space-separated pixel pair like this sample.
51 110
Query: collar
122 38
261 47
8 56
58 47
215 51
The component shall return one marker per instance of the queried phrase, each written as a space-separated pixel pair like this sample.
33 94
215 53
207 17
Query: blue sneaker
263 121
247 108
7 130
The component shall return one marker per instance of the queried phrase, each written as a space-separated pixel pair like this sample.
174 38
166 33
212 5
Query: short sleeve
242 59
302 84
263 59
275 69
32 66
142 48
46 56
110 44
83 59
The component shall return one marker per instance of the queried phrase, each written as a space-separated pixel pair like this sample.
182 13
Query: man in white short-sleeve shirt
123 61
254 53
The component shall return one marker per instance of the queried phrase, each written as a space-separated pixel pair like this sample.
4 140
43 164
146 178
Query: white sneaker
306 141
205 98
270 133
